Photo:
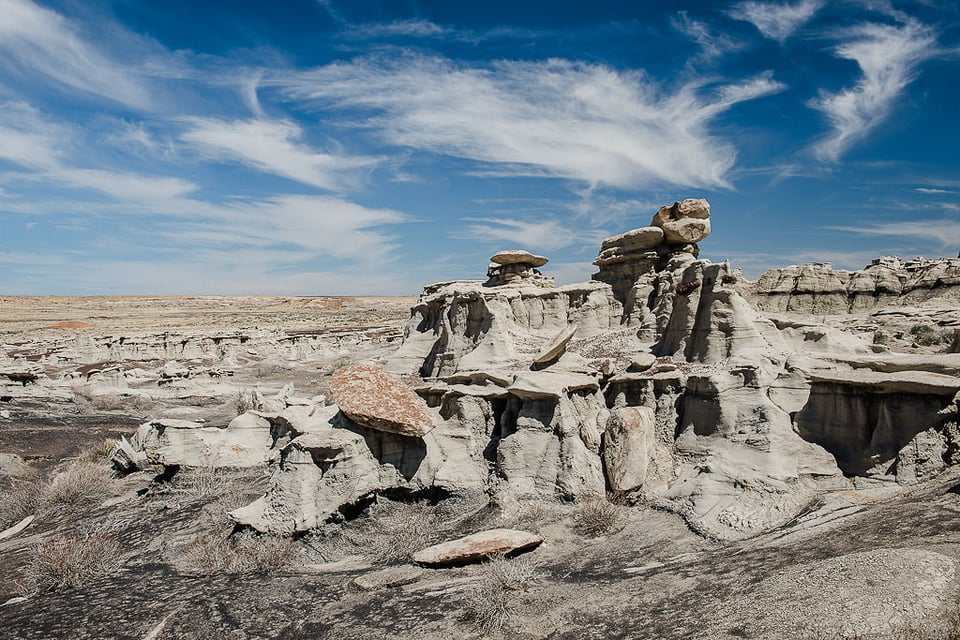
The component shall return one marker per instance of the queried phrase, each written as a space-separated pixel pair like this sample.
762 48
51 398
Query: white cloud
927 190
888 56
540 235
559 118
942 234
273 146
38 41
776 21
414 28
712 45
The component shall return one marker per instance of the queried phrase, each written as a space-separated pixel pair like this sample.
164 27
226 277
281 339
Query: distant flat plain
32 317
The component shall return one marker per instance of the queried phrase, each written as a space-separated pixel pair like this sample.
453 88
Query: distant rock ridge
819 288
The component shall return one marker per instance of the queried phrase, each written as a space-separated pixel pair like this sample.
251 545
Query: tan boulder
684 222
628 447
635 240
478 546
373 397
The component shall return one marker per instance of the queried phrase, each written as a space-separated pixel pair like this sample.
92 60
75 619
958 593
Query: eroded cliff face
656 380
819 289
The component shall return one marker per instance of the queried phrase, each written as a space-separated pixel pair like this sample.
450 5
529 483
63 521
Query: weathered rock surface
478 546
628 447
373 397
684 222
818 288
556 346
246 442
518 256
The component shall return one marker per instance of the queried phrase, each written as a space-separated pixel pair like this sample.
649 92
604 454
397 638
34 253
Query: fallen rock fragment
555 348
478 546
17 528
373 397
388 578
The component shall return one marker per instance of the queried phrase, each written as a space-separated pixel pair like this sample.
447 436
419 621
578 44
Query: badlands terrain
669 450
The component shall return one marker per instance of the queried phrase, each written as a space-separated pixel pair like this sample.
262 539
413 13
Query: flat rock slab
374 398
518 256
556 346
389 577
478 546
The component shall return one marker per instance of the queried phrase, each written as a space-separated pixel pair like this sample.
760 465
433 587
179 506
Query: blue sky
350 147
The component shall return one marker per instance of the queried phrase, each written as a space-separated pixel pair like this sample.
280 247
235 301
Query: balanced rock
684 222
373 397
478 546
516 266
518 256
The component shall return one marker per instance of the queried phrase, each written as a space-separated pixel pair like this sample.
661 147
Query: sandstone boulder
684 222
478 546
373 397
628 447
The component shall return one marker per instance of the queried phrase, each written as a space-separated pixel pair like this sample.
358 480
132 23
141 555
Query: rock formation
818 288
658 379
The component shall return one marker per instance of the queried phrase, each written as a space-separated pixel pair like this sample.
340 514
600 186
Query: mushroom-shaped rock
478 546
518 256
555 348
684 222
373 397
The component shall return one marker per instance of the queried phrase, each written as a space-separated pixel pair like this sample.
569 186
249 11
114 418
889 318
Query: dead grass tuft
489 601
598 516
97 452
240 553
70 560
22 499
107 402
391 532
81 484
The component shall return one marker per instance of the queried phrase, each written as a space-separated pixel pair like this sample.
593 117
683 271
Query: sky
370 147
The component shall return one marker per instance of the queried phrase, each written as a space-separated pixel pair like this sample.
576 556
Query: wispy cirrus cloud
888 57
37 43
555 117
938 234
774 20
274 146
712 44
536 235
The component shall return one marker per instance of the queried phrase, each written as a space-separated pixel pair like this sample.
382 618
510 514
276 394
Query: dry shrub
22 499
391 532
203 482
107 402
533 515
240 553
97 452
70 560
597 516
82 483
488 602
